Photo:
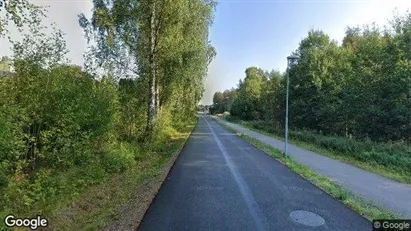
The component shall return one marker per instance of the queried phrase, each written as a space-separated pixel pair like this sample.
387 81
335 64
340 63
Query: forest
64 127
352 98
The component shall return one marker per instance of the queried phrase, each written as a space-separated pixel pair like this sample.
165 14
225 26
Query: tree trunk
157 96
152 113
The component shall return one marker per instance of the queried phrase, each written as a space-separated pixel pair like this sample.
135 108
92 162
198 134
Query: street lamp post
291 60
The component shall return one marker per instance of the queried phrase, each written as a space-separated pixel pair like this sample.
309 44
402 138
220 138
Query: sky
64 14
246 33
263 33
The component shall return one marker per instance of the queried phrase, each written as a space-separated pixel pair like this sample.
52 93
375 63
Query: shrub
392 155
119 159
11 144
51 122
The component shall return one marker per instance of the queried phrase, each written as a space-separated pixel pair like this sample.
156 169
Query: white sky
64 14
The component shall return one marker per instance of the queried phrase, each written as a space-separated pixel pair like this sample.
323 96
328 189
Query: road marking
248 197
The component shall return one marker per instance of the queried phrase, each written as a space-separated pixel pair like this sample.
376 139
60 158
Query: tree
222 101
351 37
21 13
5 64
272 98
316 83
218 103
248 103
168 42
359 89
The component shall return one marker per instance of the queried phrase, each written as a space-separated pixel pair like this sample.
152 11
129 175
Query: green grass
364 207
118 190
367 164
99 204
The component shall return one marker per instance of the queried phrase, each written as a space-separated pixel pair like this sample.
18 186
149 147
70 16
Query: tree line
63 127
359 89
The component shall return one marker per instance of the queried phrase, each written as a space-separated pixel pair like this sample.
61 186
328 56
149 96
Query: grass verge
364 207
371 166
120 202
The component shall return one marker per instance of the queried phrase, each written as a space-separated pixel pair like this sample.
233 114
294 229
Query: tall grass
393 155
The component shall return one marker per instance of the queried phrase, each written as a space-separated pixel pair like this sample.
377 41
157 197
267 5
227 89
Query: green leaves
222 101
21 13
248 101
63 128
163 43
360 89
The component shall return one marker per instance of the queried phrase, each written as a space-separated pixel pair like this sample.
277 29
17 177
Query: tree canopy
360 88
63 127
164 43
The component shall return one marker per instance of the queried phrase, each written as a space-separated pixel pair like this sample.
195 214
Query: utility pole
291 60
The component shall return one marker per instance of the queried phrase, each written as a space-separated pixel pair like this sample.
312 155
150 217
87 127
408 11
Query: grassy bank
363 207
103 203
391 160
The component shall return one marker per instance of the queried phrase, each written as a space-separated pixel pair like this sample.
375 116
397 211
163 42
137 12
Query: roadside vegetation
377 157
66 130
119 202
363 207
350 100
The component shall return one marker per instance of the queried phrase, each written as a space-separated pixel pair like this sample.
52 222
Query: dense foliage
360 89
63 128
222 101
163 43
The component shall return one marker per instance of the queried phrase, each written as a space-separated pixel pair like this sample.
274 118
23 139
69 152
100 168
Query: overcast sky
64 14
247 32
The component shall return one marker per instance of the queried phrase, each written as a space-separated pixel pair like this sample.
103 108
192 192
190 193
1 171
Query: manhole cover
307 218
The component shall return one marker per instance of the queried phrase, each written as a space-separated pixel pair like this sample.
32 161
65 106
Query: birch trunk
152 113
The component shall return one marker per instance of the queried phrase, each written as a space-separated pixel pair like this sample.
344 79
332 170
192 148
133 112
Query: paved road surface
221 182
382 191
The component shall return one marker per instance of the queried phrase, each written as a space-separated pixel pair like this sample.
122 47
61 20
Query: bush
51 122
11 144
119 159
392 155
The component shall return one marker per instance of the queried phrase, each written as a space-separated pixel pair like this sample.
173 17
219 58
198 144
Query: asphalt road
221 182
378 189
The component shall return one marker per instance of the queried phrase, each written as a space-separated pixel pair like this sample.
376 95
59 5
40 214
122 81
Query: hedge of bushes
62 130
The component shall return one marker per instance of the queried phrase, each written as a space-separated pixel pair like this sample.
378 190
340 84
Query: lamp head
292 60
